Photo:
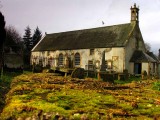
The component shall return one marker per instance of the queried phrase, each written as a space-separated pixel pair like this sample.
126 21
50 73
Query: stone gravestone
78 73
103 65
144 75
126 74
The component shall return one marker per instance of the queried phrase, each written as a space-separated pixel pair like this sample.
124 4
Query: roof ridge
88 28
101 37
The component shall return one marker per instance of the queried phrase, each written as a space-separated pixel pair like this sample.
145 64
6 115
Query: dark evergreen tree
2 30
36 36
2 40
28 43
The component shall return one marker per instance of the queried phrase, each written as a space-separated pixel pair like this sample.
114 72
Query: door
137 68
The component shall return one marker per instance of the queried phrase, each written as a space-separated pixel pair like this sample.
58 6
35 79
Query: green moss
52 94
156 86
40 91
131 79
125 106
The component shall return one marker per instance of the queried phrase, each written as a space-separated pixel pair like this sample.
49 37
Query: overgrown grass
156 85
65 102
131 79
72 98
5 82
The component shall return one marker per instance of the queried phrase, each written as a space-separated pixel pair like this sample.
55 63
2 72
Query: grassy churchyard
47 96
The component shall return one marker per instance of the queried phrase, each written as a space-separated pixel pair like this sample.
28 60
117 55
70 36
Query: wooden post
149 70
99 76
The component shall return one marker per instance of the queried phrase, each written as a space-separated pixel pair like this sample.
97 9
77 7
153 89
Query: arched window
77 59
60 59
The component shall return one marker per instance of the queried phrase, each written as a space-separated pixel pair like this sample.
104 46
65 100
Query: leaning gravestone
78 73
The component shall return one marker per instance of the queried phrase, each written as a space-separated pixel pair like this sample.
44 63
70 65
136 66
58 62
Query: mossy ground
5 82
76 99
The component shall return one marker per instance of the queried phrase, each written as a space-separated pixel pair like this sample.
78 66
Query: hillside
48 96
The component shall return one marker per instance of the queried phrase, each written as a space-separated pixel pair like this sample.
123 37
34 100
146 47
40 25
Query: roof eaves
38 43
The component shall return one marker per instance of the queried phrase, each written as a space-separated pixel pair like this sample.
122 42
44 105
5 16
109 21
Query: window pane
90 65
60 59
91 51
77 59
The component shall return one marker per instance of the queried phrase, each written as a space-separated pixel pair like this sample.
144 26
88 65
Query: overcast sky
54 16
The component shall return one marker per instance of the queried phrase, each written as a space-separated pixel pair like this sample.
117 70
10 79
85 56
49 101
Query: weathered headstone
78 73
37 68
103 65
144 75
125 71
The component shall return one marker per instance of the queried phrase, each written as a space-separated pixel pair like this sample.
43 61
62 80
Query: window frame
77 59
90 65
61 60
91 51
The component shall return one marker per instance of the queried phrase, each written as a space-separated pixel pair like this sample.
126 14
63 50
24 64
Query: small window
77 59
91 51
90 62
60 59
90 65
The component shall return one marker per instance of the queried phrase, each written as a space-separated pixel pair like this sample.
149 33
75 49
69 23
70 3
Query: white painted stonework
114 56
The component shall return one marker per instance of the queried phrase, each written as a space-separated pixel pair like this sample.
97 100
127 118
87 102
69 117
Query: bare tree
13 40
148 46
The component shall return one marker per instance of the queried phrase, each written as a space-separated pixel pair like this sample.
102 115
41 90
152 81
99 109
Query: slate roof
102 37
140 56
153 56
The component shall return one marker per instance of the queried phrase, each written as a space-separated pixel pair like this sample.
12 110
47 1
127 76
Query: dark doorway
137 68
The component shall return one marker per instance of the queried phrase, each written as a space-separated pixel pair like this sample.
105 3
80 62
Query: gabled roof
102 37
153 56
140 56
